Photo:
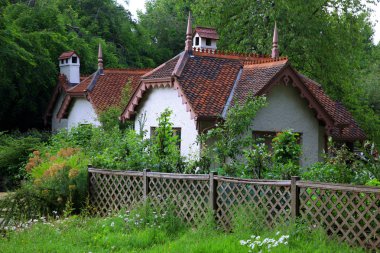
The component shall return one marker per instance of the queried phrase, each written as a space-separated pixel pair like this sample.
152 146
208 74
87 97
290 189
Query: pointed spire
100 57
189 36
275 51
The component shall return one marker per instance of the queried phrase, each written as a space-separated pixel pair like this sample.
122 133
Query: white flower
112 224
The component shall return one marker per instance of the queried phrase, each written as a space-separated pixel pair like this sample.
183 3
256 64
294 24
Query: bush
344 166
60 178
14 152
166 155
228 140
286 154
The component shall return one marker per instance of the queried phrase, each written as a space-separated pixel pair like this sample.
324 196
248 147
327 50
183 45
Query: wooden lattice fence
350 212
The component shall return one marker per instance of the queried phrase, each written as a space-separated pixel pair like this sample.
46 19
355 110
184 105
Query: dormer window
197 41
74 59
208 42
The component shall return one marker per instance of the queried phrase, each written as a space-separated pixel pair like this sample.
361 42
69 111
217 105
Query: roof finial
275 51
100 57
189 36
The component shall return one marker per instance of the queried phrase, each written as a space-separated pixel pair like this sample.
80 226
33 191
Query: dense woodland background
327 40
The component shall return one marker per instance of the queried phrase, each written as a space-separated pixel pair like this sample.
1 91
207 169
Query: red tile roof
109 87
162 71
255 77
67 55
349 129
206 32
209 78
102 90
207 83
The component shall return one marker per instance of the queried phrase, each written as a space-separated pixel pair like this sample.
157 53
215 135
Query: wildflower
73 173
37 182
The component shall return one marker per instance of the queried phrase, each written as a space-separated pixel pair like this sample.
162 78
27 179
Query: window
62 61
208 42
176 132
264 137
67 60
197 41
267 136
74 59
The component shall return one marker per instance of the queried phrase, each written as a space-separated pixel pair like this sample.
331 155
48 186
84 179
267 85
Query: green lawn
126 233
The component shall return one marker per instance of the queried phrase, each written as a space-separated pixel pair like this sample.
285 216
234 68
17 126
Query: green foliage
343 166
231 137
110 117
34 33
286 154
14 152
166 153
165 22
119 149
258 160
120 233
60 178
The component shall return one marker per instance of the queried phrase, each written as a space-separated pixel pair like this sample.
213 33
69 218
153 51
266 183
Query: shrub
14 152
164 146
286 154
228 140
60 178
341 165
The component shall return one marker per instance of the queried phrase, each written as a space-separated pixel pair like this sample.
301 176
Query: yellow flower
38 182
73 173
72 187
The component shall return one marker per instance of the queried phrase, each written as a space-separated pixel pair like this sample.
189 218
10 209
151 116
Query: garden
47 175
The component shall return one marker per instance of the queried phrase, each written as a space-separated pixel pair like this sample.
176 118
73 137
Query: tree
34 33
165 22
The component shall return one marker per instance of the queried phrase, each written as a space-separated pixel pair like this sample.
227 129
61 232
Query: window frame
196 43
257 134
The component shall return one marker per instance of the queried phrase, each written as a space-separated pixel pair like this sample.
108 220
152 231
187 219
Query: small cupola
69 65
205 38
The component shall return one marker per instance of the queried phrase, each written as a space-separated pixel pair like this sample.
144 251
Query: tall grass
149 230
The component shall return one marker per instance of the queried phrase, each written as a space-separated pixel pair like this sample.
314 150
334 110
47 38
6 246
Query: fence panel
351 213
188 196
112 190
270 197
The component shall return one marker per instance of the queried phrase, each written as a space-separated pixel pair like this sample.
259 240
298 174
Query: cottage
80 99
201 83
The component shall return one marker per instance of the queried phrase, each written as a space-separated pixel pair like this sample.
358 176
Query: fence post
145 184
295 197
89 166
213 191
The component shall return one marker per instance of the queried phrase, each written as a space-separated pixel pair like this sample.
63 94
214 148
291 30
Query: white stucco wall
82 112
155 102
70 70
286 109
55 123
